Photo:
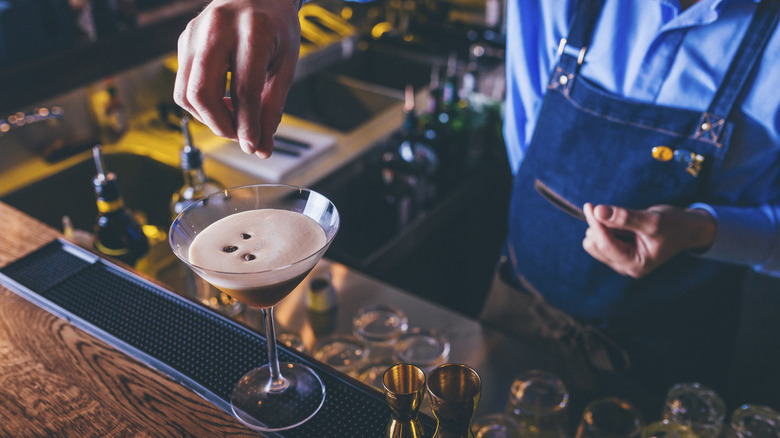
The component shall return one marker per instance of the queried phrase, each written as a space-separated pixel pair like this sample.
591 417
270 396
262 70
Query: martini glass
265 399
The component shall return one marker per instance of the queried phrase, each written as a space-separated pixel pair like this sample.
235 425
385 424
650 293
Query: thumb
624 218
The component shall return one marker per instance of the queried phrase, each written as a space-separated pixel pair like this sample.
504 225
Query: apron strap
752 46
711 123
572 48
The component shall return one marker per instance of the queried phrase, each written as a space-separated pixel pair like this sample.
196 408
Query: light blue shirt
650 51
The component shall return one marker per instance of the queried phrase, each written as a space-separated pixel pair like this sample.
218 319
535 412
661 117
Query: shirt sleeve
535 28
746 236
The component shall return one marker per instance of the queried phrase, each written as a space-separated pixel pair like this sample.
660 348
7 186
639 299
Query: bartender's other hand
635 242
258 42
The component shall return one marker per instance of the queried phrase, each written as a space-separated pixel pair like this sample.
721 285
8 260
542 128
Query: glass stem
276 382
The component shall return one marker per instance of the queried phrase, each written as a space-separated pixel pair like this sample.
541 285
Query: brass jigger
454 391
404 390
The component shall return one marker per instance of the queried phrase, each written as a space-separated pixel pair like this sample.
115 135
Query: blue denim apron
592 146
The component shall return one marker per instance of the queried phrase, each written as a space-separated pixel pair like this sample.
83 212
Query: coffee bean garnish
248 257
245 236
230 248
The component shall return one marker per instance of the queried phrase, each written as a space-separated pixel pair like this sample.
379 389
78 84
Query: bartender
662 116
658 118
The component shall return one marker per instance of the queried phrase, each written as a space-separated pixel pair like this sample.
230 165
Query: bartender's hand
634 242
258 42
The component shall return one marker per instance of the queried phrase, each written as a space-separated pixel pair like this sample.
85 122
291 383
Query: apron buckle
580 56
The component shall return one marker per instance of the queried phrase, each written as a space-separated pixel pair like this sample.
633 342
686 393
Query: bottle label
113 252
109 206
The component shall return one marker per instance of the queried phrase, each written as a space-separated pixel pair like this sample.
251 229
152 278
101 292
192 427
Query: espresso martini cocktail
257 243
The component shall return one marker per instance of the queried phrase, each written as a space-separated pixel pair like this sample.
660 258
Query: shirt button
705 126
563 79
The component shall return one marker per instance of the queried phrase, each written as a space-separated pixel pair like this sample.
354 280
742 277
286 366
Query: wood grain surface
58 381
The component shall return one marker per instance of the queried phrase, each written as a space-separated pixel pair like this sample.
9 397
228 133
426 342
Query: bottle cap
106 187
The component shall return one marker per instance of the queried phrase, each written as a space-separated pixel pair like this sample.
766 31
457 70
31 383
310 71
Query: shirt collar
703 12
676 3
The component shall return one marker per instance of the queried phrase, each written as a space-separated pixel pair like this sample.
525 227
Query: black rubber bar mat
195 346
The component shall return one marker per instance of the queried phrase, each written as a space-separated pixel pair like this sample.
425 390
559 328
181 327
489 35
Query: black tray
195 346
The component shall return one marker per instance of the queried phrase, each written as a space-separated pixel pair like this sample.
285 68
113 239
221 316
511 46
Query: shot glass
667 429
379 326
755 421
538 402
291 340
610 417
424 348
495 426
696 406
372 374
344 353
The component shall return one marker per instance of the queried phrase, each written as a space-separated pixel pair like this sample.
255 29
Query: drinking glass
424 348
292 341
379 326
667 429
755 421
538 401
696 406
496 426
610 417
343 352
264 399
372 374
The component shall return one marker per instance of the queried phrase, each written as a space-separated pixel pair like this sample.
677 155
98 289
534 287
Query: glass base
259 406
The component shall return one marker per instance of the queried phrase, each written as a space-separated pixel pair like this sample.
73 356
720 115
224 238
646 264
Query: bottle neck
434 101
409 126
448 94
194 177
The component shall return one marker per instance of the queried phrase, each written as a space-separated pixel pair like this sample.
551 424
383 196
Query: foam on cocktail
246 250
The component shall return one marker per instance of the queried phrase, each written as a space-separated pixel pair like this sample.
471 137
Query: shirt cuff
745 236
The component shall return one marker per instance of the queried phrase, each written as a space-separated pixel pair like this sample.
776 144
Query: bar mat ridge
203 350
46 267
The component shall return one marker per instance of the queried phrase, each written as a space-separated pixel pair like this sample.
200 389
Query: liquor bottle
449 93
409 168
450 119
452 104
196 184
419 158
321 303
473 119
109 111
429 120
117 233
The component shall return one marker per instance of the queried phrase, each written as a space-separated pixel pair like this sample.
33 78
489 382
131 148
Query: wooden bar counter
58 381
